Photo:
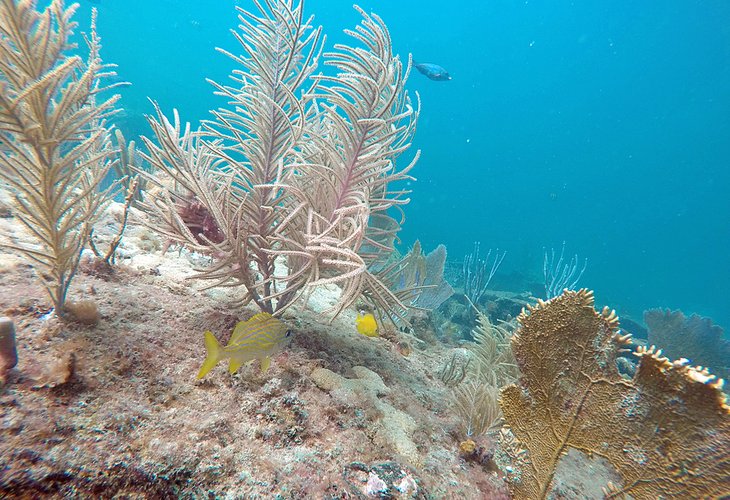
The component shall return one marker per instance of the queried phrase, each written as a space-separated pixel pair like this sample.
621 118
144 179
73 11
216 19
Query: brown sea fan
666 431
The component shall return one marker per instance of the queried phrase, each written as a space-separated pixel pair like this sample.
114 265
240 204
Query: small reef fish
261 337
366 325
433 71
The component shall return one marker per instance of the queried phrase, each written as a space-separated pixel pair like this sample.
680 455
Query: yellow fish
261 337
366 325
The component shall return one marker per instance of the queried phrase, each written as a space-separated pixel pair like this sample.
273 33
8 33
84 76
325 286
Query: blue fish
433 71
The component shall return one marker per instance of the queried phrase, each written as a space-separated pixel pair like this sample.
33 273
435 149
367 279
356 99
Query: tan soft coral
666 431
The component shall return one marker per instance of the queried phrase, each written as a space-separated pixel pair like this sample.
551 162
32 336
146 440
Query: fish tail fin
213 349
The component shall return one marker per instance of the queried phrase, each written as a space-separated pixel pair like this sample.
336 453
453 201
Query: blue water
602 124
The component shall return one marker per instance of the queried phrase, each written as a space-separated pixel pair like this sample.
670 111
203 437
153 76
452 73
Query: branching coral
477 399
298 169
54 146
477 405
495 362
666 431
478 273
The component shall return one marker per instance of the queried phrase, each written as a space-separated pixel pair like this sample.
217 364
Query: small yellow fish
366 325
261 337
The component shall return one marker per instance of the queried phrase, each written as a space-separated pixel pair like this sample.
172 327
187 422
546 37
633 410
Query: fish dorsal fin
239 326
257 323
259 318
243 328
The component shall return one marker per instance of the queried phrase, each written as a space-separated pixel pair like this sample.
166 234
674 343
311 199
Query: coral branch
56 147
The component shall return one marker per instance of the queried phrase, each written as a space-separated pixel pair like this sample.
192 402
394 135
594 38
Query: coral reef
502 306
114 409
456 319
384 480
292 191
693 337
666 431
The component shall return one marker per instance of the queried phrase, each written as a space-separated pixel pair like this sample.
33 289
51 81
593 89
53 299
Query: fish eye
288 333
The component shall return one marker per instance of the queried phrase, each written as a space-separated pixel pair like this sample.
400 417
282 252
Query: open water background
603 124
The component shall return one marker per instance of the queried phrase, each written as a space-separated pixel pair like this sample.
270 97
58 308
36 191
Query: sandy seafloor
114 410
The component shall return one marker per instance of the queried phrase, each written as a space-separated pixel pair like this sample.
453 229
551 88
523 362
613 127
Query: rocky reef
113 407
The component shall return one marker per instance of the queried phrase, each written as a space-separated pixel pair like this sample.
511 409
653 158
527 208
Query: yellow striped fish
261 337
